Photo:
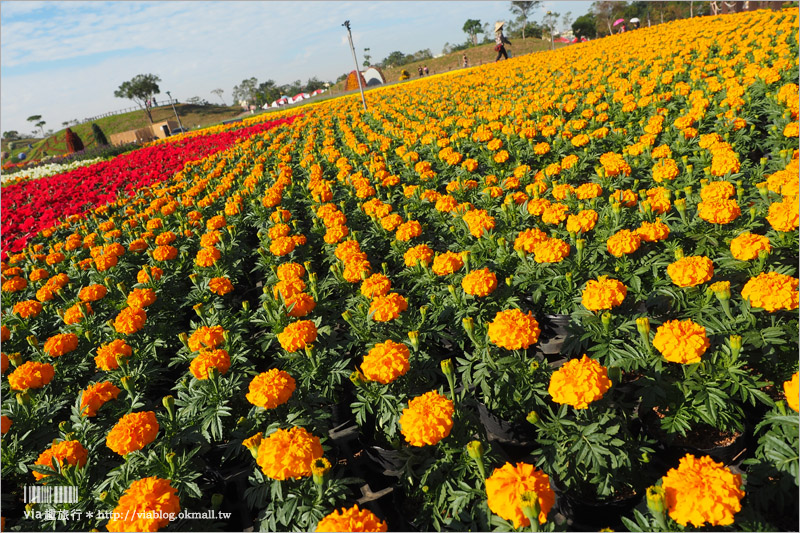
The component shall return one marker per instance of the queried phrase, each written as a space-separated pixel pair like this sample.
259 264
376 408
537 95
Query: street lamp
355 61
174 110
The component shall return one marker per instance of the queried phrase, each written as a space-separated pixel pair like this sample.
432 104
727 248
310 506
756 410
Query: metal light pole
355 60
174 110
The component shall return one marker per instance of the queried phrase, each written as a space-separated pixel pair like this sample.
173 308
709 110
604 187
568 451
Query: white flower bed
48 170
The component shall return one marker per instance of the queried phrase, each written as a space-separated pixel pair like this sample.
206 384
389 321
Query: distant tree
367 57
605 14
11 135
99 136
40 125
566 20
395 59
65 123
268 91
523 11
194 100
585 26
472 28
549 22
246 91
141 88
421 55
313 84
37 119
219 92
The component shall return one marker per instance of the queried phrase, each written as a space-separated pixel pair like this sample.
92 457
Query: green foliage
140 88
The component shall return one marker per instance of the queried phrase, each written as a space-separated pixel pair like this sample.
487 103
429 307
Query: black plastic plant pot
389 462
504 431
553 333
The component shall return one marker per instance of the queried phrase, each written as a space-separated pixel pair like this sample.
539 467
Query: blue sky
64 60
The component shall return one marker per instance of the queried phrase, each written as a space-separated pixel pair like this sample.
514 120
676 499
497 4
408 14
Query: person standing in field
465 61
500 41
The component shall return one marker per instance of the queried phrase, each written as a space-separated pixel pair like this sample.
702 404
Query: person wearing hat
500 41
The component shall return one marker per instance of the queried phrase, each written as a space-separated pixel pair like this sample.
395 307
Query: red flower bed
33 206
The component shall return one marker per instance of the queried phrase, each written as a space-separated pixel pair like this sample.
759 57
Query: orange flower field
558 292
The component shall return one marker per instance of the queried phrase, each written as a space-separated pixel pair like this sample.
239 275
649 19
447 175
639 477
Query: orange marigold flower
352 519
356 269
418 254
132 432
747 246
479 282
447 263
336 233
31 375
298 335
653 231
5 335
625 197
299 304
772 291
479 221
207 257
141 298
614 164
555 214
208 359
623 242
94 396
408 230
427 419
551 251
282 246
702 491
147 505
92 293
54 258
108 354
74 314
288 453
220 286
206 337
375 285
719 211
70 452
528 239
691 271
14 284
288 271
579 382
717 190
584 221
665 169
588 191
137 245
5 424
681 341
513 330
61 344
271 389
785 215
3 362
288 288
391 222
130 320
28 309
790 390
148 274
165 253
386 362
536 206
506 485
215 222
37 274
386 308
167 237
603 293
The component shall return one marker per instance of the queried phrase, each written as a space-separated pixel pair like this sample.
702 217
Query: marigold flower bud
475 449
469 324
358 378
656 500
533 418
413 336
216 500
643 325
447 367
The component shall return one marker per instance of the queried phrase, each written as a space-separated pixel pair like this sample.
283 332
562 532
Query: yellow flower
506 485
514 330
772 291
271 389
427 419
386 308
418 254
147 505
701 491
479 282
386 362
681 341
288 453
579 382
691 271
447 263
604 293
297 335
747 246
719 211
351 519
623 242
790 389
206 360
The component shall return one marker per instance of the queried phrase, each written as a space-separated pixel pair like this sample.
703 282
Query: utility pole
355 62
174 110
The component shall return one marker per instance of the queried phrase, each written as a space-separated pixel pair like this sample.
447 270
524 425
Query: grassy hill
192 117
